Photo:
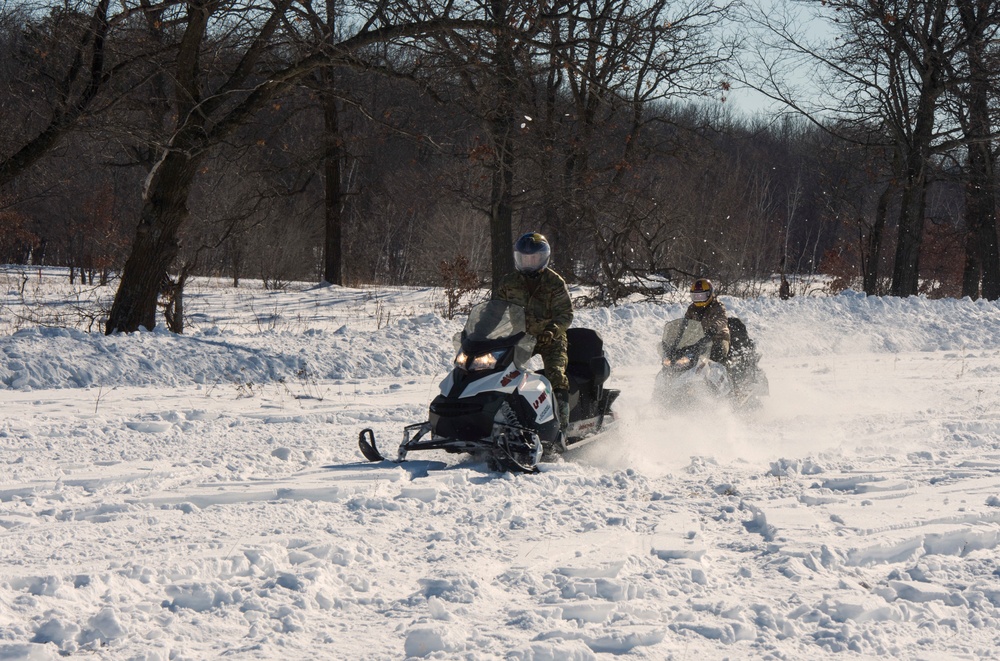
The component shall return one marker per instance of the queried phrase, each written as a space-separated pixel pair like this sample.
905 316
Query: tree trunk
926 51
333 154
972 270
502 209
983 205
173 313
177 325
164 211
981 275
906 267
501 128
982 259
236 261
334 201
873 244
547 129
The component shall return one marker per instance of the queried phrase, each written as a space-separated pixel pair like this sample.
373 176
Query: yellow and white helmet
702 292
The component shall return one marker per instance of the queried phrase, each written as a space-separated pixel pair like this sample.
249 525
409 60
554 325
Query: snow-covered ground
202 496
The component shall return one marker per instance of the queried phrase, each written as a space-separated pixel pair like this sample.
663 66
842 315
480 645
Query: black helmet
531 253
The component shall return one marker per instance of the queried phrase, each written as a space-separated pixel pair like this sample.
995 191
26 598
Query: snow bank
421 344
63 358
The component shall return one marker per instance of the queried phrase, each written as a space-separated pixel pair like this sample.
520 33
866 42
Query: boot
551 450
562 409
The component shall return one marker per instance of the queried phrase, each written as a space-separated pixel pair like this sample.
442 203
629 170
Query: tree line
405 141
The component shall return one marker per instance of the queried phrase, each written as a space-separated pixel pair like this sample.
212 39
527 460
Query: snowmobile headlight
486 361
680 363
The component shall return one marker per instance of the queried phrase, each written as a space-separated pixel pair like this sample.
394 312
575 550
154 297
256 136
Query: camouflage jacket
545 299
713 320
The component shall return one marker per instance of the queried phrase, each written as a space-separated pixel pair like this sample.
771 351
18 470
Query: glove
546 336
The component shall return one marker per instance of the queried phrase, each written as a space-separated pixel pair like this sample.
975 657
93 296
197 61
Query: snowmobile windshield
494 324
681 333
494 320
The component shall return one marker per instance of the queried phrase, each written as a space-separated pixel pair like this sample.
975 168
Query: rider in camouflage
709 310
548 311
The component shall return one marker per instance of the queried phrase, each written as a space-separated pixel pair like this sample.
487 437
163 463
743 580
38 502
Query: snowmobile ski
366 441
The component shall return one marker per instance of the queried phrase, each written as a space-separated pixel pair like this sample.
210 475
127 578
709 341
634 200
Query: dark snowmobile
492 404
688 374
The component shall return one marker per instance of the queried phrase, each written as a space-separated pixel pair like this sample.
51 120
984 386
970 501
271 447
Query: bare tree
259 51
883 76
622 61
68 53
979 21
921 32
485 72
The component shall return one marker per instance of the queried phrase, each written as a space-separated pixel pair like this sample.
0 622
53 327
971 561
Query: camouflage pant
554 360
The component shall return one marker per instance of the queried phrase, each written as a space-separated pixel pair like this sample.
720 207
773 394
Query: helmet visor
529 263
700 296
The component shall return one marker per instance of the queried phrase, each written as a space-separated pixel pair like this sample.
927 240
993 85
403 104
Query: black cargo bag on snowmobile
743 356
587 369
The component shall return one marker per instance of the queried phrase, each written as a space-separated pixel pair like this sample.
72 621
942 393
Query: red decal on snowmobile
539 401
505 381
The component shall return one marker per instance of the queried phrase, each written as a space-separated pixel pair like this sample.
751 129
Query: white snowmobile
492 404
689 374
